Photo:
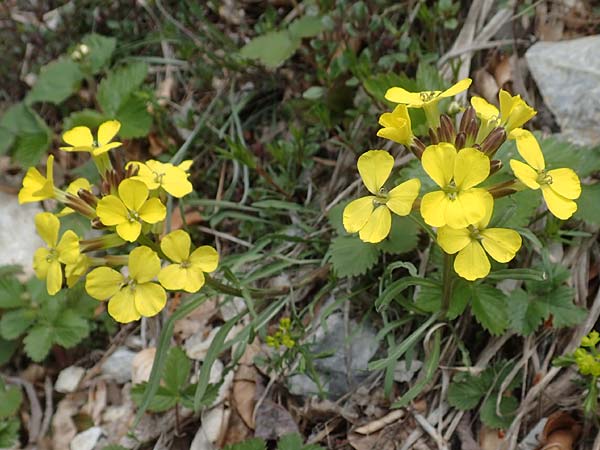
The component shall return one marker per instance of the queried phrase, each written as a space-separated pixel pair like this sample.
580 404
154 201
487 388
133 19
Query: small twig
35 419
226 236
431 431
49 407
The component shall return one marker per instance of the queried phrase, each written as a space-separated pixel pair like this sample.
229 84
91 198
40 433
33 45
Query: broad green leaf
587 204
490 308
251 444
118 85
10 401
560 153
56 82
100 48
134 117
20 118
515 210
11 291
30 147
162 401
177 370
70 329
7 350
27 132
210 396
352 257
7 139
508 409
307 26
430 299
14 323
38 342
85 118
335 218
9 432
526 315
271 49
403 238
466 391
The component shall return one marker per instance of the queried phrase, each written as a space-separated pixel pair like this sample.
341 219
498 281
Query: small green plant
42 320
10 402
288 442
587 361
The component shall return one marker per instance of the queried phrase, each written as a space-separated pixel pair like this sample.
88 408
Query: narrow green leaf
517 274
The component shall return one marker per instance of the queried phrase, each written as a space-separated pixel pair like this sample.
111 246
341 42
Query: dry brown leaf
97 401
560 432
237 431
490 438
244 400
192 216
141 365
503 71
273 421
63 425
197 320
485 85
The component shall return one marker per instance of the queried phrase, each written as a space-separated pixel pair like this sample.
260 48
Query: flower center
544 178
130 284
381 198
158 177
451 190
185 264
474 233
428 95
52 256
133 216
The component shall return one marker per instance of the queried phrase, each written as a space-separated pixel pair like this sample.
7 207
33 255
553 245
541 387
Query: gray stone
346 367
568 76
18 238
68 379
118 365
86 440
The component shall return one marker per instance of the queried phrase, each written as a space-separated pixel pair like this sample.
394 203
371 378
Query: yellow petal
399 117
175 182
453 240
194 281
438 161
111 210
41 262
73 272
377 227
47 225
105 148
107 131
501 243
32 183
76 185
402 197
401 135
186 165
79 137
129 231
176 245
400 95
375 167
433 208
484 110
205 258
471 167
468 208
528 148
133 193
471 262
173 277
357 212
68 247
561 207
525 174
150 299
122 307
514 111
488 202
457 88
152 211
54 277
144 264
565 182
103 282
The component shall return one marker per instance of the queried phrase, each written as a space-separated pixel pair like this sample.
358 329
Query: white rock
212 423
142 365
118 365
568 76
87 439
197 346
18 238
68 379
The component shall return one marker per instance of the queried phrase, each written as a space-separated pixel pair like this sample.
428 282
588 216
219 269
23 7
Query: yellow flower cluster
459 159
587 356
129 209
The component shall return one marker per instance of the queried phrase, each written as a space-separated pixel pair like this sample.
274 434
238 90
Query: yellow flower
81 139
560 187
187 272
73 189
172 179
134 296
36 187
75 270
47 261
370 216
425 98
396 126
514 112
459 203
591 340
130 209
472 243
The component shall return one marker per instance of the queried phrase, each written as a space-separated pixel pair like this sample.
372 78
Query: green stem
447 283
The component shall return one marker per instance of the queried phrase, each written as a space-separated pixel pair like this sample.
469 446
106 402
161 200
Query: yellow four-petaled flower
80 138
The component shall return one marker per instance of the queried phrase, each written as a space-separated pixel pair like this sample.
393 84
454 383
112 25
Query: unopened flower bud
493 141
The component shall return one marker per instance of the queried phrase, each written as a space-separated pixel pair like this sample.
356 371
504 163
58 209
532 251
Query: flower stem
447 284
